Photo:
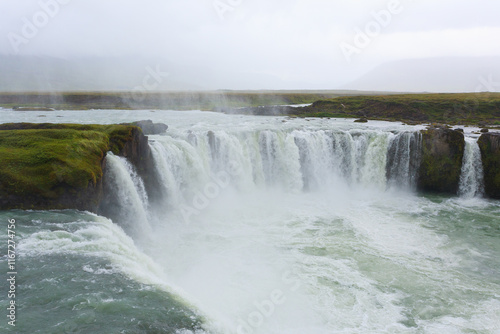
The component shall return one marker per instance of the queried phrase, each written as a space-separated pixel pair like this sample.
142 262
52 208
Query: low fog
391 45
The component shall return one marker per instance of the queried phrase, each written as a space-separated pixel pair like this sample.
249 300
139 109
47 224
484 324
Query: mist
68 45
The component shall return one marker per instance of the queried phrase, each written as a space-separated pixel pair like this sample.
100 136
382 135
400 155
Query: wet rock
361 120
489 144
441 161
150 128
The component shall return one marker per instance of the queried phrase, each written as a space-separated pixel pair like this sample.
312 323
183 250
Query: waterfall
403 160
128 196
295 160
471 177
195 167
225 195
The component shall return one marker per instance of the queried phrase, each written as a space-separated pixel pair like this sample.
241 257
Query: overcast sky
298 43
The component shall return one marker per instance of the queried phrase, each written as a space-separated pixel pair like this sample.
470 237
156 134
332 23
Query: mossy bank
61 166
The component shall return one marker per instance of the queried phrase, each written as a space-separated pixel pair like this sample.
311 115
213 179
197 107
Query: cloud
295 41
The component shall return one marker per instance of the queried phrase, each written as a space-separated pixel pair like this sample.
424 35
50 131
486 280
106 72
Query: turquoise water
399 265
76 275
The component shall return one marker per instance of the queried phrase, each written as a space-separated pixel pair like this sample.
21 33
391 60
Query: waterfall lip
472 131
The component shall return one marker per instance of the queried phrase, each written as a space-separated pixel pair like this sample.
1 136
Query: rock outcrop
61 166
489 144
150 128
138 153
441 161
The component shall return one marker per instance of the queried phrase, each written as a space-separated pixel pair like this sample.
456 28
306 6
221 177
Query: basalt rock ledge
62 166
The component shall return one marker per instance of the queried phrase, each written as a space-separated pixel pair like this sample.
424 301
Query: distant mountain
45 74
454 74
41 73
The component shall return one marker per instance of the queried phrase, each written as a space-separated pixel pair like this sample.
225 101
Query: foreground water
319 247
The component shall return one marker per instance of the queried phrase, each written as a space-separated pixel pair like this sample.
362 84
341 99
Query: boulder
489 144
150 128
441 161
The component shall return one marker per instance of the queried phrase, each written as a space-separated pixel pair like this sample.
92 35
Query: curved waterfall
294 231
297 160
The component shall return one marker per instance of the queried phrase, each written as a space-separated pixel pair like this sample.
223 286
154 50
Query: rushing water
471 178
264 225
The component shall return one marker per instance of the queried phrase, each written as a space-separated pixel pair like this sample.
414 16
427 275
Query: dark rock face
150 128
87 199
441 161
138 153
126 141
489 143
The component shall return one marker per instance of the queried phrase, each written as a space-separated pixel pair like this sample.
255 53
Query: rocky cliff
441 160
489 143
61 166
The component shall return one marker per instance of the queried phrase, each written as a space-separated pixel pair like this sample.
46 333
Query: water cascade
296 161
233 215
404 159
471 178
128 199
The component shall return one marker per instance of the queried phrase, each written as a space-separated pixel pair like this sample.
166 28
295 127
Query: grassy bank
473 108
45 160
167 100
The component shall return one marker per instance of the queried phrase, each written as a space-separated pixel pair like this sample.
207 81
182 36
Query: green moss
45 160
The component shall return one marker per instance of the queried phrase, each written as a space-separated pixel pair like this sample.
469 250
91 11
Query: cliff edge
61 166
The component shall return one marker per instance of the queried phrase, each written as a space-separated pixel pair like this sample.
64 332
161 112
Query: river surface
262 225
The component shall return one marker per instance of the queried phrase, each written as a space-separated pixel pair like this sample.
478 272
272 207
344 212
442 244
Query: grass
209 100
467 108
45 160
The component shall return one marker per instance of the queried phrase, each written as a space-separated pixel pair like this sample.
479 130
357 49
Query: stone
441 162
489 144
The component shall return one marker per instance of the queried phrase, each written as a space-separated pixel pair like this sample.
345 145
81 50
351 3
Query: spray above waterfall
195 167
